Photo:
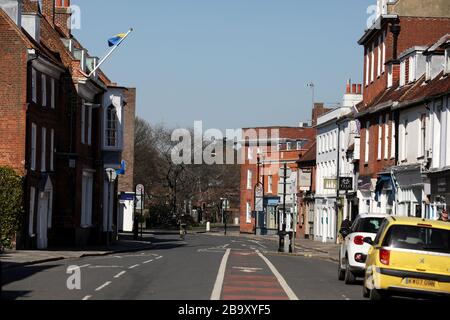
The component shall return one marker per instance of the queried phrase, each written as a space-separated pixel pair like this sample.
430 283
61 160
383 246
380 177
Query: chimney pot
359 88
354 88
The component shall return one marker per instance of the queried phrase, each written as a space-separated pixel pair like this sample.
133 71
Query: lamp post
111 175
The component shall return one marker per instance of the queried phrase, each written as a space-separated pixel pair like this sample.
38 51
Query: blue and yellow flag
116 39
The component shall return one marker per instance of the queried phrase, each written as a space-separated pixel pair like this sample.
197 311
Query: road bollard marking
117 276
291 295
103 286
86 298
135 266
220 277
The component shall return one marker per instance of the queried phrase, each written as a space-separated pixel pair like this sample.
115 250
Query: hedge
11 206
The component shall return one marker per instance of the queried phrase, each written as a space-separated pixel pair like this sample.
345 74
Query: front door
42 221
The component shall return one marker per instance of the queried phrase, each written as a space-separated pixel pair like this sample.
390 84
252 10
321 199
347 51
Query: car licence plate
420 282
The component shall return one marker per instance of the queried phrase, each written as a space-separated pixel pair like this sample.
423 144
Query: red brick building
56 124
399 26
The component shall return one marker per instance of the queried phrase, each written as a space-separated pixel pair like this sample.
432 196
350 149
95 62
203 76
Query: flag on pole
116 39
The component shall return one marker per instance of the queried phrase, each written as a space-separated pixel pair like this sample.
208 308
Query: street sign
259 205
259 198
346 183
140 189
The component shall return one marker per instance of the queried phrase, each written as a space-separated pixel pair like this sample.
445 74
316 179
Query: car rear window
369 225
418 238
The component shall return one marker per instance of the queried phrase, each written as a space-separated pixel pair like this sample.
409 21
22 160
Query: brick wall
126 182
13 86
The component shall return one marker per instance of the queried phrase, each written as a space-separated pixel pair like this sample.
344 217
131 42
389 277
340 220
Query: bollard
208 227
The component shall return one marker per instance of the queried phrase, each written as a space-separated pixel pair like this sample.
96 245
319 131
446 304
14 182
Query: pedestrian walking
444 216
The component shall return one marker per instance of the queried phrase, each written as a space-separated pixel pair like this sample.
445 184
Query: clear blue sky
230 63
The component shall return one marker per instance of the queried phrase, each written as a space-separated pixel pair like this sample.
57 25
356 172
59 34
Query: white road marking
220 277
117 276
157 258
104 267
291 295
135 266
103 286
148 261
77 267
247 270
86 298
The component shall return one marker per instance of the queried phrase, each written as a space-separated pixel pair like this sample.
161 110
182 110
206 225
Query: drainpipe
338 165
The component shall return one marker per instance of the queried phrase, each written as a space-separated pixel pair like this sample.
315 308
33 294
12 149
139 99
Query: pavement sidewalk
19 258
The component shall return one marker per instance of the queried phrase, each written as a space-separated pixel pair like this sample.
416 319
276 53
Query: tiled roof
310 155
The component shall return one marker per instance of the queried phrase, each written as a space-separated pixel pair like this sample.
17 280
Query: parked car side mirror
368 240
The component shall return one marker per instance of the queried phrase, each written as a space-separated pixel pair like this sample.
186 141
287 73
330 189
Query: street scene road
201 267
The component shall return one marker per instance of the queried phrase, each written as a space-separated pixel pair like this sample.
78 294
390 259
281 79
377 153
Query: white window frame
83 122
366 151
52 150
87 196
403 73
249 179
248 213
372 64
386 138
288 146
270 184
43 149
379 56
390 78
447 61
31 211
299 145
367 67
89 126
422 135
44 90
249 153
393 139
428 69
33 85
383 65
53 93
412 69
33 147
405 140
380 137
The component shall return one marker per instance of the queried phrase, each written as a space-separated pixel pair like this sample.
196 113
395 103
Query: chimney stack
348 86
48 11
63 16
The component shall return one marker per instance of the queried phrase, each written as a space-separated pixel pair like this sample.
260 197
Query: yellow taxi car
409 256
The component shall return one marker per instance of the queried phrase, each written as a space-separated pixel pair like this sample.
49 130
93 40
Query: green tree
11 206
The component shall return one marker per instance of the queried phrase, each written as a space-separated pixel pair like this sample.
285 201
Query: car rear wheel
349 276
366 292
341 272
377 295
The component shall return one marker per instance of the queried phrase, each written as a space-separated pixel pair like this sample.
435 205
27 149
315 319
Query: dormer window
390 76
112 127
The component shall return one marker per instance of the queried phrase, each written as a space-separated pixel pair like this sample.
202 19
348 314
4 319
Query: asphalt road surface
201 267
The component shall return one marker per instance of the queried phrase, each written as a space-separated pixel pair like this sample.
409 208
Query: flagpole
110 52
